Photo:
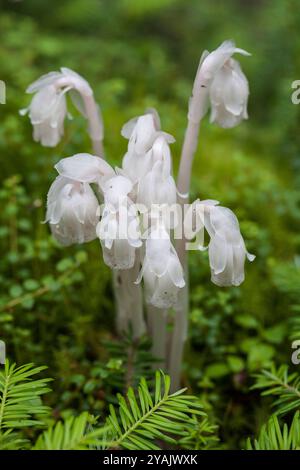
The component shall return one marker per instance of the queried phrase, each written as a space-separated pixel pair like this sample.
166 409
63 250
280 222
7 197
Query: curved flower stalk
228 102
48 109
228 108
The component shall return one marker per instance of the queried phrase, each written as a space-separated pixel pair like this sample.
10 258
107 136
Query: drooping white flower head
161 269
212 62
72 211
227 251
141 132
157 186
118 229
47 113
220 82
85 168
229 93
48 109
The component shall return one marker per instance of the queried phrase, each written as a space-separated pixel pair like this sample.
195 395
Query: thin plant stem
95 124
197 107
158 320
129 300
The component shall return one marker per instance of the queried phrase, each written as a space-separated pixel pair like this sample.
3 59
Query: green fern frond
274 437
20 396
145 417
10 440
279 383
75 433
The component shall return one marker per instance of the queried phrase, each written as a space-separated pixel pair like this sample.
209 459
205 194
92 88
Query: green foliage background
56 305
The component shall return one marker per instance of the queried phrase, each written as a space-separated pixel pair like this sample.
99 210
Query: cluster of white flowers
145 179
148 163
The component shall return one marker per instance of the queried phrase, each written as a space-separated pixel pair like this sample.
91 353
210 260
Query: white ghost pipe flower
229 93
158 186
85 168
141 132
72 211
47 113
226 249
209 67
119 236
48 110
118 229
161 270
211 62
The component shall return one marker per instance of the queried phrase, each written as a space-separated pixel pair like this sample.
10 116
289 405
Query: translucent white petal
128 128
226 277
77 100
43 81
84 167
165 293
116 188
142 135
120 256
217 251
72 211
239 255
228 93
175 271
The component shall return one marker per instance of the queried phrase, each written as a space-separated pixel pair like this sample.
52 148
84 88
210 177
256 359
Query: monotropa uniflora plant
140 214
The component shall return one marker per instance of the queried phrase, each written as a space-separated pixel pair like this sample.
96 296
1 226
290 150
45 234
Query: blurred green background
56 305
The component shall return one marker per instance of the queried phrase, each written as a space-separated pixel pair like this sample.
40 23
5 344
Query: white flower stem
92 111
95 124
157 318
196 112
129 301
179 334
